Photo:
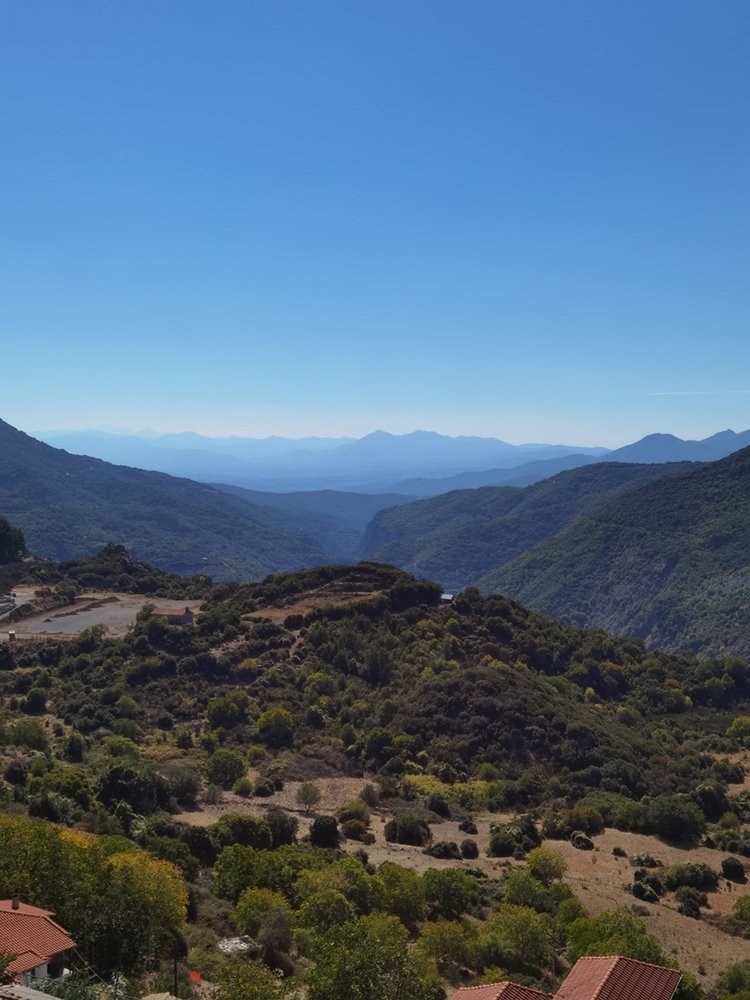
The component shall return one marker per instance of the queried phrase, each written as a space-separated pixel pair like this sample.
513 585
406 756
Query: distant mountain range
419 464
372 464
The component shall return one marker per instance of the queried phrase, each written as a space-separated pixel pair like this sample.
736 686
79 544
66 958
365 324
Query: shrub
243 787
514 839
356 809
264 788
581 841
408 828
234 828
438 805
675 818
224 767
446 850
469 849
468 826
354 829
619 853
733 869
690 901
283 827
693 874
370 795
324 832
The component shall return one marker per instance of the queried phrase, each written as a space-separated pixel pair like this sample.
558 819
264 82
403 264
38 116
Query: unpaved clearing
116 612
330 595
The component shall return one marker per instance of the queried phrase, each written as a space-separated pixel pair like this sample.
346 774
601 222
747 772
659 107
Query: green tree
276 728
518 939
324 910
613 932
249 981
402 893
308 795
12 543
449 892
449 944
734 983
546 865
224 767
368 959
254 906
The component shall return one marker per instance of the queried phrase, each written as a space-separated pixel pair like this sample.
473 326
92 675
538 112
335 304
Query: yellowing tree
161 887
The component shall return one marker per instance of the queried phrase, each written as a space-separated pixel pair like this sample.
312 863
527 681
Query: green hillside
70 505
457 537
669 562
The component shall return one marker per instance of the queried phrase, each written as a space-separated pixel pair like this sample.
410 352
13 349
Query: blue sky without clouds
520 218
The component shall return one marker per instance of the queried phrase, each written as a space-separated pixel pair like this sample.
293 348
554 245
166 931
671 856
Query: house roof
172 612
609 977
499 991
612 977
16 992
31 935
6 906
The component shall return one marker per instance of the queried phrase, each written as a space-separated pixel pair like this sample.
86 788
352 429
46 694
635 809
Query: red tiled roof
499 991
616 978
31 935
26 962
6 905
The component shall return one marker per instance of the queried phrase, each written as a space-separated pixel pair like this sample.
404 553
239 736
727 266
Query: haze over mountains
422 463
374 463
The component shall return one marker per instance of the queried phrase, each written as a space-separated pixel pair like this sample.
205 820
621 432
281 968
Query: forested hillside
69 505
669 562
457 537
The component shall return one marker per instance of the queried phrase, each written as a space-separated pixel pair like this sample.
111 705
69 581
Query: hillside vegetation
669 563
69 506
458 537
447 713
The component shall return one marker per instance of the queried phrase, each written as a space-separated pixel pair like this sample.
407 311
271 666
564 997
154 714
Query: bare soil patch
327 596
601 881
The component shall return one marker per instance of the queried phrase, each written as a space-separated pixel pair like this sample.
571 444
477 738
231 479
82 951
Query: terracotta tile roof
499 991
615 978
31 935
25 962
6 906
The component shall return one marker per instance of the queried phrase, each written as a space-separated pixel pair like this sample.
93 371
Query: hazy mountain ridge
373 463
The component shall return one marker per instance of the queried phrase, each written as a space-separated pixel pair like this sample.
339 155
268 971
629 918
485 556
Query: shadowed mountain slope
72 505
457 537
669 562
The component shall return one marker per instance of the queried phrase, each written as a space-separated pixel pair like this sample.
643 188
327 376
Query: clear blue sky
523 218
